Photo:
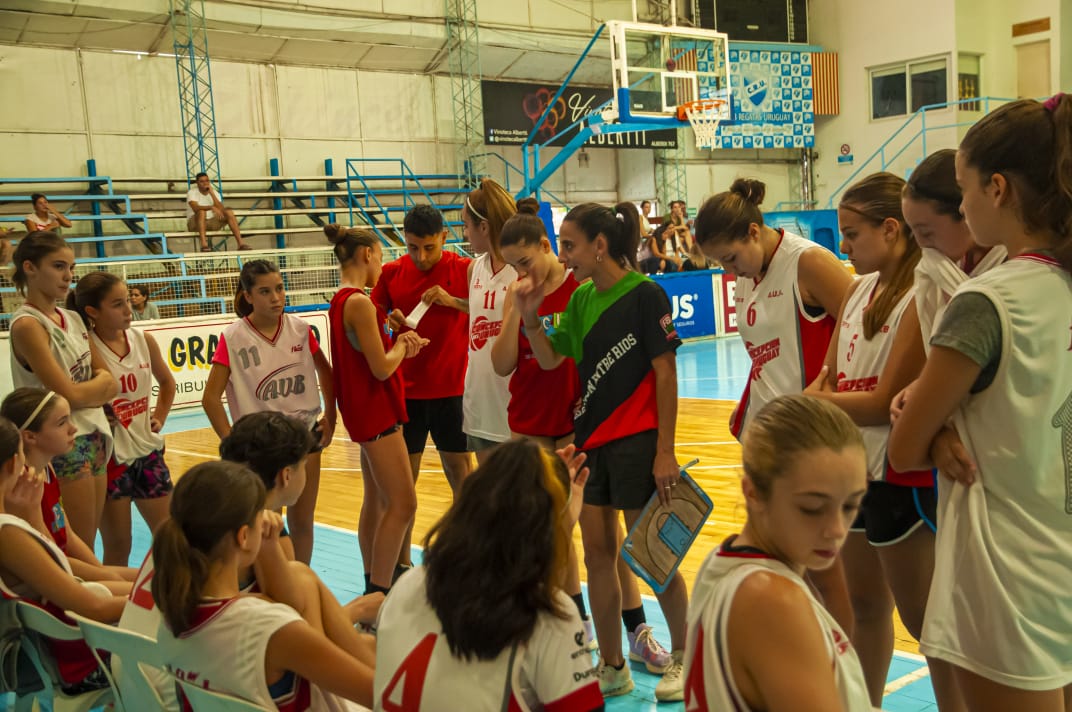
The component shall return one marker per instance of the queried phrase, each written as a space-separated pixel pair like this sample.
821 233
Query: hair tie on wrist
1051 104
40 406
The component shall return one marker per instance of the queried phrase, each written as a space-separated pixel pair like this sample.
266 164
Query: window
903 88
968 83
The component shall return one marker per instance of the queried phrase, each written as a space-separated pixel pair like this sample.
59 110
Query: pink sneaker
644 648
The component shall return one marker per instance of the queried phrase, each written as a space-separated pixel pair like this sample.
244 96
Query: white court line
906 680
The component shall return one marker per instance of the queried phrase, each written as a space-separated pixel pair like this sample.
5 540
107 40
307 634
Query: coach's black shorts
890 513
620 472
442 417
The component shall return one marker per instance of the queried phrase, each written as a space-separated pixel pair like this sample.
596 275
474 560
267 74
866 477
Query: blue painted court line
337 560
715 369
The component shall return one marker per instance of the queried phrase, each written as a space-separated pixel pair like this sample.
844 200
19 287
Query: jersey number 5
410 678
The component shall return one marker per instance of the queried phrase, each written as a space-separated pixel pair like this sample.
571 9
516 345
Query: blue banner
773 103
692 301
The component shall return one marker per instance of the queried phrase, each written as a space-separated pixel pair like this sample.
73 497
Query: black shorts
889 513
442 417
620 472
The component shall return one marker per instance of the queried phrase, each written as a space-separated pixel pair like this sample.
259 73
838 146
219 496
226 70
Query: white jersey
787 345
860 362
276 374
1004 552
937 278
709 685
552 670
131 430
225 649
22 590
487 394
69 343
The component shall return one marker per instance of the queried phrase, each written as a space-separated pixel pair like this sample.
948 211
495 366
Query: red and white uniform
416 672
224 651
276 374
542 402
860 362
439 370
141 615
487 394
709 684
367 405
937 278
786 344
52 509
132 432
1003 553
74 660
69 343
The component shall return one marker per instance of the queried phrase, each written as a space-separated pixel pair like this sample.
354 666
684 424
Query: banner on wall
729 306
511 109
692 302
773 100
188 348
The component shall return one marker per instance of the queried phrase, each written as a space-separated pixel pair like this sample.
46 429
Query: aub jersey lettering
278 384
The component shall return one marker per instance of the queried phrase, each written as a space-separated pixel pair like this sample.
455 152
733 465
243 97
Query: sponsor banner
511 109
773 100
692 302
189 345
729 310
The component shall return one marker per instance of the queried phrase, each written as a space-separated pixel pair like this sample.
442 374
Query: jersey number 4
403 692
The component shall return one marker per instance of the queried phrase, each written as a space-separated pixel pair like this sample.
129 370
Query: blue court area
714 369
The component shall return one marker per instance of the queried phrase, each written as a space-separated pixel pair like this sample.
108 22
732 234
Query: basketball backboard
659 68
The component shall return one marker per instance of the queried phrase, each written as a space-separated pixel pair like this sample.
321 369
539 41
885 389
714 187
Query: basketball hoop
705 115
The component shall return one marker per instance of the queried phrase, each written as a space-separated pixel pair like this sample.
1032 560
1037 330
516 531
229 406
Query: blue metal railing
509 169
913 130
367 201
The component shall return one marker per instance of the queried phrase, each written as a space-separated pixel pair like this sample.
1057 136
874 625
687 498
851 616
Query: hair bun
335 233
528 206
752 190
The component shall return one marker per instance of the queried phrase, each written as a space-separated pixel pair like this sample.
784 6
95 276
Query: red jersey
437 371
542 402
368 406
52 510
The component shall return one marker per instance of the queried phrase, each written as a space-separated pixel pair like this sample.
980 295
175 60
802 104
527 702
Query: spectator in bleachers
201 200
645 224
140 306
43 216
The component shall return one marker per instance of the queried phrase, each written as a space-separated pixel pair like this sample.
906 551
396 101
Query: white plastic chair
134 691
202 700
45 624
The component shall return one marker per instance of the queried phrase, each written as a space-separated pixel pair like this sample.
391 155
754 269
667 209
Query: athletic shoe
644 648
672 687
614 682
591 645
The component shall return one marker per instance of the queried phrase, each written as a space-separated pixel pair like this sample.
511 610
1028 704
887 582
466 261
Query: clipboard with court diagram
662 535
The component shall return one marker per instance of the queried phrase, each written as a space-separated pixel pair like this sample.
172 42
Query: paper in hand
414 317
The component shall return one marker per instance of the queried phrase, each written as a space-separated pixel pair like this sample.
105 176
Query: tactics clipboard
661 537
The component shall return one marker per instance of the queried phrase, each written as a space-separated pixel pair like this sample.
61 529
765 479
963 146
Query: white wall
865 35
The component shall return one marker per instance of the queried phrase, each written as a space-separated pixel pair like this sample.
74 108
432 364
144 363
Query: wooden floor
702 432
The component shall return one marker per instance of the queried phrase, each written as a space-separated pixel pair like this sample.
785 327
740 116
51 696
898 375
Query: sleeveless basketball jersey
1003 552
74 659
487 394
69 343
709 684
131 430
367 405
542 402
937 278
786 344
860 362
551 671
276 374
224 651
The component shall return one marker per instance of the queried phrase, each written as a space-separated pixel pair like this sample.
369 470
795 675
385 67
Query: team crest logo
667 324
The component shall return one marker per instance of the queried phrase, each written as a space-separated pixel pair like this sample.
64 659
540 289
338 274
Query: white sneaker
672 687
591 644
644 648
613 682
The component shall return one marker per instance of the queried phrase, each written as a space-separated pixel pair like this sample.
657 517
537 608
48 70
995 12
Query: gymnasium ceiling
254 32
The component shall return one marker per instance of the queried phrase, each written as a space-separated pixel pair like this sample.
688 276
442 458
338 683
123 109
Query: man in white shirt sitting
205 211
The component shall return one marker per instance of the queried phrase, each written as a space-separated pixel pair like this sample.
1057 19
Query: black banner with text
511 109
